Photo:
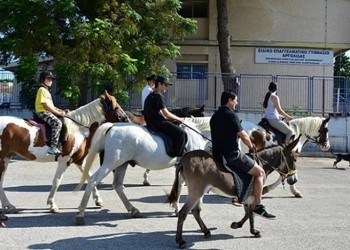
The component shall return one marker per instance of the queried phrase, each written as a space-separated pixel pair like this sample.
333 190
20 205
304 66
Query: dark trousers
177 134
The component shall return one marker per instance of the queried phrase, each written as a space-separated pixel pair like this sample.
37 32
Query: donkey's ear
295 142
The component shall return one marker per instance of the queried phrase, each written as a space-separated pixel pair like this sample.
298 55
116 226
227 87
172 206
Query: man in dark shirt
160 119
226 130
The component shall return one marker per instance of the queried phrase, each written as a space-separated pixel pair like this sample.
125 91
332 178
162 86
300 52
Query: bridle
109 109
284 175
322 138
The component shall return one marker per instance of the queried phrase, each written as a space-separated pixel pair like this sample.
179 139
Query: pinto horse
310 129
19 136
129 143
203 174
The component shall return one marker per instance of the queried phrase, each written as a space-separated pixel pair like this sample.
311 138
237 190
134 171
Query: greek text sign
294 56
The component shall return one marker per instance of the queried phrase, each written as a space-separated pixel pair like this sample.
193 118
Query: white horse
126 143
23 138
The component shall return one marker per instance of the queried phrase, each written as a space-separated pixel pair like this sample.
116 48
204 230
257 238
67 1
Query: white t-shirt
271 111
145 92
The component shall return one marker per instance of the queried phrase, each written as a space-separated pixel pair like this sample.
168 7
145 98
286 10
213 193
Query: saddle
243 181
276 134
168 142
45 129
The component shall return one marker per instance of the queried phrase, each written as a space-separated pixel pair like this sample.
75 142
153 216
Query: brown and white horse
20 137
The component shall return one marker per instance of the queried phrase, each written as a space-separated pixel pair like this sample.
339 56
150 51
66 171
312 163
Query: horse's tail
96 147
174 193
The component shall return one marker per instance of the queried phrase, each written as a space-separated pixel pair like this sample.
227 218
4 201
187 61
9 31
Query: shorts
242 162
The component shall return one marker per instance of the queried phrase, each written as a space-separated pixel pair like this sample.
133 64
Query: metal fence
306 95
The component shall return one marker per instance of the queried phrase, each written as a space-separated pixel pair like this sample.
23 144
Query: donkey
202 174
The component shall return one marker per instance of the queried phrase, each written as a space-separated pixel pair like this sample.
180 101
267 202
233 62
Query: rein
197 132
283 158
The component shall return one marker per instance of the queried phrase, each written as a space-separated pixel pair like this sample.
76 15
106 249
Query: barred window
191 71
194 8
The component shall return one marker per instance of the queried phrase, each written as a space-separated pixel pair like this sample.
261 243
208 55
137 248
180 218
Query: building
269 38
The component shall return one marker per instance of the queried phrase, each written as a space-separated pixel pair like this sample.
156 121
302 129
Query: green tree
342 65
92 43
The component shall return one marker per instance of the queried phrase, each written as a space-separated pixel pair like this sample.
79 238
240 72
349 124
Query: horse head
322 138
112 110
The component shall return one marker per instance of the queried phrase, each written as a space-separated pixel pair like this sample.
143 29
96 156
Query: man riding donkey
160 119
226 130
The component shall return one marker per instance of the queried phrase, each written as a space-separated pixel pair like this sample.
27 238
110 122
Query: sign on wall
294 56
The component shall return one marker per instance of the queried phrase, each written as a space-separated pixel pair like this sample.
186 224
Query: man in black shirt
160 119
226 130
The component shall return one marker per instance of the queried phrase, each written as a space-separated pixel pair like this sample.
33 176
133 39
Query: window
191 71
194 8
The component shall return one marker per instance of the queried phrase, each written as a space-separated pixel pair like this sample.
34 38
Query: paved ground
319 221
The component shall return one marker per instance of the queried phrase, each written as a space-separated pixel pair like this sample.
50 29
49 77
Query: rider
148 88
226 130
273 111
160 119
46 110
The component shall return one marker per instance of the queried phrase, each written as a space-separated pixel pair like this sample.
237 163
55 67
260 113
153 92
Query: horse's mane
84 115
202 123
305 125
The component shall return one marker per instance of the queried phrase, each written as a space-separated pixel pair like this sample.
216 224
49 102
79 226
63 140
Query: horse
129 143
310 129
20 137
202 174
181 112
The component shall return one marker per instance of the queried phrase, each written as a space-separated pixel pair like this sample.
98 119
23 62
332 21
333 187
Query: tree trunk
224 41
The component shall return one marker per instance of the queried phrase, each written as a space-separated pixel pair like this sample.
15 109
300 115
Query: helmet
45 74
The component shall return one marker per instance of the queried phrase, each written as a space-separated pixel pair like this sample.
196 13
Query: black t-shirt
224 126
153 104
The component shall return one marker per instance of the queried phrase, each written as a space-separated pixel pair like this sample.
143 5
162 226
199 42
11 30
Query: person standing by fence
147 89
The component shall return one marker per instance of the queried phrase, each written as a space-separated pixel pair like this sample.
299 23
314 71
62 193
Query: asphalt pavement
319 220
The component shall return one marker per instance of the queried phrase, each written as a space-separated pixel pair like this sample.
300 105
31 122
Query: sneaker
54 151
260 210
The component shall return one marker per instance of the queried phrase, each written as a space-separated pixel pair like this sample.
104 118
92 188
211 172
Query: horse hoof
298 195
256 233
136 214
55 210
80 220
99 203
207 234
181 244
235 225
12 210
146 183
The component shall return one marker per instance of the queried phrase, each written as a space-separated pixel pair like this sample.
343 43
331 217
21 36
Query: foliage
342 65
92 42
295 110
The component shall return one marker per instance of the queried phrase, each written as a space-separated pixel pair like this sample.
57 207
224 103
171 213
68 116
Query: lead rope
283 158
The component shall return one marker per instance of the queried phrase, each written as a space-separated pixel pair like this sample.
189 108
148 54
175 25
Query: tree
92 43
224 41
342 65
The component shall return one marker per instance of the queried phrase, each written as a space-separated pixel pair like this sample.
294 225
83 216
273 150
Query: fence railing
299 94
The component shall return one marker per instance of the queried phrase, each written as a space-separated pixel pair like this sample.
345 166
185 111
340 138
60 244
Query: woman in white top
273 111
